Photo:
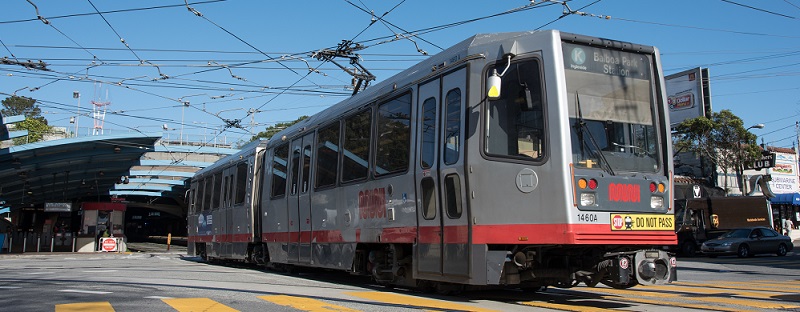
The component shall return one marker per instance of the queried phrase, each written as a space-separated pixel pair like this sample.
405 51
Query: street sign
108 244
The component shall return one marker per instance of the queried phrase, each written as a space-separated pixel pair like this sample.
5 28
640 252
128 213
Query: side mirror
493 86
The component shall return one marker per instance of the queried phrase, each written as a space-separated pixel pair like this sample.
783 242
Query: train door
227 208
299 200
443 227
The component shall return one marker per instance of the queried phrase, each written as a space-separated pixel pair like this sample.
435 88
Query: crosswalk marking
197 304
747 300
711 296
658 298
742 287
414 301
85 307
305 304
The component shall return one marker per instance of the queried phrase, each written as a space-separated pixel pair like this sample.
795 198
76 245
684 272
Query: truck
701 219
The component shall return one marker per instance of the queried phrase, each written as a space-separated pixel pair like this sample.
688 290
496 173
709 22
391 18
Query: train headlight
587 199
656 202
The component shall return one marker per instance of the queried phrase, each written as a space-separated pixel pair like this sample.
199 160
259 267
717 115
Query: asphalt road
168 281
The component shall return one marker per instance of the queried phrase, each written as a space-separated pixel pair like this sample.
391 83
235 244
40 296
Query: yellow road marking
415 301
705 291
659 302
747 286
305 304
197 304
104 306
625 295
570 306
714 290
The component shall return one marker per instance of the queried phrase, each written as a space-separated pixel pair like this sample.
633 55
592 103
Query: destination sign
606 61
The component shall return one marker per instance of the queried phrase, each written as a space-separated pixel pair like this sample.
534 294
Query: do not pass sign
108 244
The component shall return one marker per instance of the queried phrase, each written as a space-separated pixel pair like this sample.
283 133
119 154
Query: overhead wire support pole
345 50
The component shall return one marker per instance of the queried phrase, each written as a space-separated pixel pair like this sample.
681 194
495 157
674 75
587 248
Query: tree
721 139
272 130
34 122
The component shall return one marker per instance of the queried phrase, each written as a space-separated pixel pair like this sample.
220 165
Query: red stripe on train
591 234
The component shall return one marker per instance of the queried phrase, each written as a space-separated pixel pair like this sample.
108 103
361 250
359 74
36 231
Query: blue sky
254 56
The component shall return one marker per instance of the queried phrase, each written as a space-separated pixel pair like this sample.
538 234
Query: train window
393 135
241 183
452 139
216 190
427 129
327 155
428 198
227 196
208 193
613 114
279 162
453 196
355 164
516 120
306 167
295 170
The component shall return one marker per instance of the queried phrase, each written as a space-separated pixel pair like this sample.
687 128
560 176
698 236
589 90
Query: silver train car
222 222
526 160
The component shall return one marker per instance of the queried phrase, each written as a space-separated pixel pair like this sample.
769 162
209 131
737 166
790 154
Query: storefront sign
57 207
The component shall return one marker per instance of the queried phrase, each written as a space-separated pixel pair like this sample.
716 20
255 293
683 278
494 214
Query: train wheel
611 284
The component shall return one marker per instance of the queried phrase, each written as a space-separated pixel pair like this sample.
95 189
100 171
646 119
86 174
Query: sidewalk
795 235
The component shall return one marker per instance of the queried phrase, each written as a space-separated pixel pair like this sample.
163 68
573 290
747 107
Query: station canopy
68 170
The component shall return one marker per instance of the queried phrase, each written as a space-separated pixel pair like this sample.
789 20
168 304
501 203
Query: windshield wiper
580 124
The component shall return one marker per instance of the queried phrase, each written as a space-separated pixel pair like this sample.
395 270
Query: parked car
747 242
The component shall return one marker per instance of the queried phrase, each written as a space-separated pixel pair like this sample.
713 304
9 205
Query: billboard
688 94
784 174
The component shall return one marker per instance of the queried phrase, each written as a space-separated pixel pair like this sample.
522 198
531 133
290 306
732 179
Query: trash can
2 241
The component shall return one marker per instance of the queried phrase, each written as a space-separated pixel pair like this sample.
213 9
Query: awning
786 199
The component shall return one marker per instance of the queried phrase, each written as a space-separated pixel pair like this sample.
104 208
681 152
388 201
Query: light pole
740 167
77 95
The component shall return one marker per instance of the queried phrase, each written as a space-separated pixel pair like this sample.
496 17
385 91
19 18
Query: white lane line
86 291
10 287
38 273
157 297
100 271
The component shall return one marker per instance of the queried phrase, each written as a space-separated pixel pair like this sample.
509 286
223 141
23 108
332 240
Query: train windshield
611 109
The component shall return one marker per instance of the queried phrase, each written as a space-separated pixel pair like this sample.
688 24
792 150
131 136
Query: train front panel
569 180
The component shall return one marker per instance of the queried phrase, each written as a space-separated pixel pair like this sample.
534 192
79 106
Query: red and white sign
108 244
617 222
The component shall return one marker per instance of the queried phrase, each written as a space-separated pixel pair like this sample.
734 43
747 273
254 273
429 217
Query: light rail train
525 160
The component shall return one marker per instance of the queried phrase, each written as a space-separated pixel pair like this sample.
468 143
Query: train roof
246 150
401 79
479 43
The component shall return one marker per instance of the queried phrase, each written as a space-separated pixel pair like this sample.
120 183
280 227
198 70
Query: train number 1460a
587 217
